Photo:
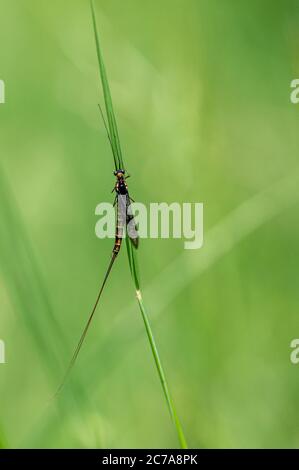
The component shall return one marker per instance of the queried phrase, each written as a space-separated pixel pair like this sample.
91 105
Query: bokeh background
201 90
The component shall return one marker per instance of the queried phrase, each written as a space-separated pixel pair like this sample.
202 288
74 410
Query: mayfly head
119 174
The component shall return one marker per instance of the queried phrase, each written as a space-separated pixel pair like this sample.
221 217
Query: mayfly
124 220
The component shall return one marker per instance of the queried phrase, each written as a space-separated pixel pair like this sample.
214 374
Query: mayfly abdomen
117 245
120 222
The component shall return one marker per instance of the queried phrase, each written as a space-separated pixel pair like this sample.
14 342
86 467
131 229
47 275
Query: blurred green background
201 90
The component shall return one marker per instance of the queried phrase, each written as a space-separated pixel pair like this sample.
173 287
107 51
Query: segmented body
122 196
123 214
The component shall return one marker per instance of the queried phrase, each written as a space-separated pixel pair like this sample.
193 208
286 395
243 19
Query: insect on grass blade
131 252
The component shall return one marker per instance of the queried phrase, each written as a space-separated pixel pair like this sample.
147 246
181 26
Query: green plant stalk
115 142
161 372
135 276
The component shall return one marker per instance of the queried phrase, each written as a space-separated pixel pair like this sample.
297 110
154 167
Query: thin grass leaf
132 263
22 275
29 296
135 276
130 251
114 137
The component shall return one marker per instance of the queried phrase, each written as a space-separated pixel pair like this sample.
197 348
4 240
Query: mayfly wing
132 230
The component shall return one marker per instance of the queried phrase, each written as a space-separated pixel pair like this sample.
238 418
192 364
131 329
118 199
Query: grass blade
135 275
132 253
114 137
22 277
